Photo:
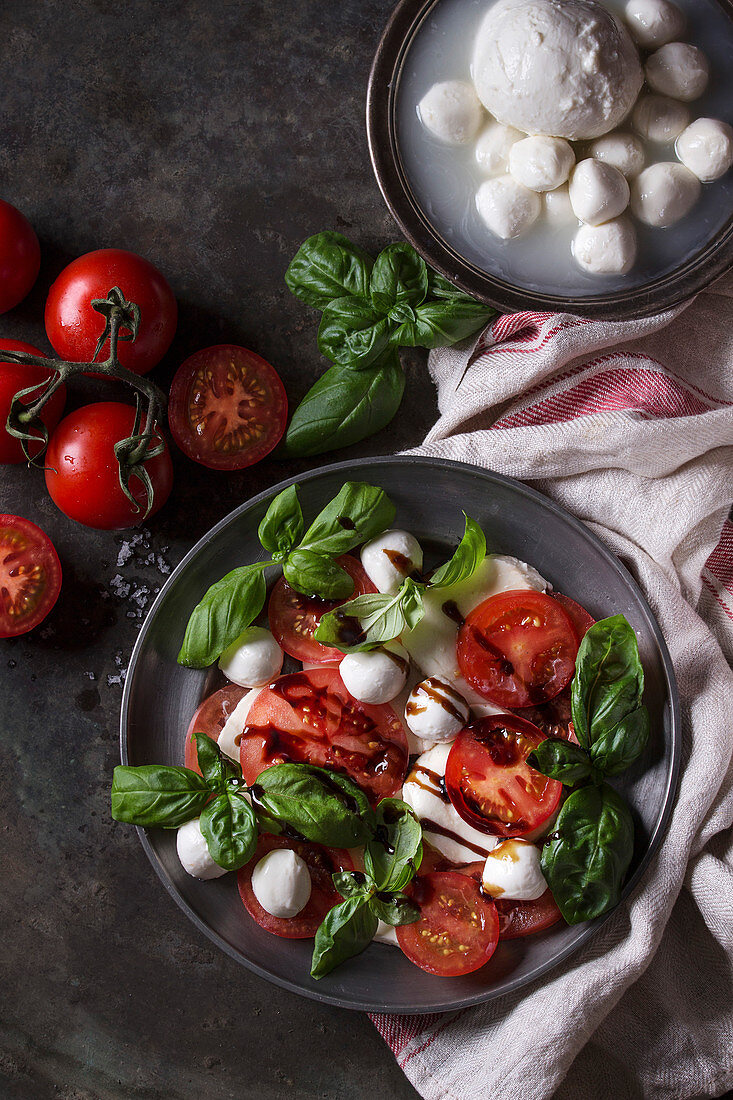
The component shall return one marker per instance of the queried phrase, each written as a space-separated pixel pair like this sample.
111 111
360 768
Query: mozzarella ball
391 557
376 675
435 711
513 872
608 249
253 660
598 192
493 147
678 70
664 193
620 150
558 211
232 730
281 882
541 163
507 207
659 118
653 23
706 148
451 111
193 852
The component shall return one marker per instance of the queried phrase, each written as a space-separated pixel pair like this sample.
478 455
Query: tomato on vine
15 377
20 256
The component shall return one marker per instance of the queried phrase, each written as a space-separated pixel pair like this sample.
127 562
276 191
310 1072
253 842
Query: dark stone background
211 136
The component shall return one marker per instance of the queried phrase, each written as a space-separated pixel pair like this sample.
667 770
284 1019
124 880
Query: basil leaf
216 768
399 278
351 884
439 287
358 513
587 859
616 749
229 828
394 909
344 407
469 554
315 574
328 266
608 681
346 930
393 855
372 619
321 805
154 794
561 760
226 610
352 333
440 323
282 526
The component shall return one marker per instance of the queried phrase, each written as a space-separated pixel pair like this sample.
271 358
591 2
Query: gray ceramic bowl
160 697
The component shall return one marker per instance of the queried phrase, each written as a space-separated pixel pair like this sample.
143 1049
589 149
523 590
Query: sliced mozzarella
512 871
193 852
281 882
435 711
253 659
391 557
386 934
376 675
231 733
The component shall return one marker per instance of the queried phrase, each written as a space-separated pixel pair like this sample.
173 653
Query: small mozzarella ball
706 148
620 150
608 249
678 70
253 660
281 882
664 193
558 211
658 118
598 192
435 711
512 871
541 163
507 207
654 22
493 147
391 557
451 111
193 852
376 675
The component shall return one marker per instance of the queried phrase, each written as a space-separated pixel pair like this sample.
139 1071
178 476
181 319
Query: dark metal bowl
160 696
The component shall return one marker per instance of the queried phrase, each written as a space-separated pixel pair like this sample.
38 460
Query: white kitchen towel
629 426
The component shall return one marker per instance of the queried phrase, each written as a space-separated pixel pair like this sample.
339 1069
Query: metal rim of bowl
670 791
669 290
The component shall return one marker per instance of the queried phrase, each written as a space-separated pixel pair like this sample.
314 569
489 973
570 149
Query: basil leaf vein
315 574
358 513
608 681
328 266
393 855
224 612
282 526
229 827
323 806
399 278
346 930
157 795
352 333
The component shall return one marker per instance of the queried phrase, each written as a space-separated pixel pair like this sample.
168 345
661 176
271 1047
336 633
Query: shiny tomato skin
20 256
210 718
82 472
74 327
519 918
228 407
458 928
30 575
15 377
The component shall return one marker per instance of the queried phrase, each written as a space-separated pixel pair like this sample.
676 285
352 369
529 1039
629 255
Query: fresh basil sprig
345 931
608 681
394 854
469 554
226 610
283 524
155 795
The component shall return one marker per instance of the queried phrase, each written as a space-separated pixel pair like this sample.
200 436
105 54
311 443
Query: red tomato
30 575
82 472
74 328
322 864
518 649
20 256
458 928
581 619
489 781
210 718
310 717
13 379
228 407
294 618
524 918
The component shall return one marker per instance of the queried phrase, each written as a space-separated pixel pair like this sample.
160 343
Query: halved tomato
210 718
311 718
489 781
227 407
294 618
518 649
519 918
458 929
30 575
322 863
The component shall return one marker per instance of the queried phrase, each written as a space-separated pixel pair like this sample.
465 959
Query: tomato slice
210 718
322 864
310 717
227 407
294 618
524 918
581 619
458 929
30 575
489 781
518 649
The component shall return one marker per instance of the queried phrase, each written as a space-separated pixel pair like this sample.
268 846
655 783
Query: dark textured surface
212 138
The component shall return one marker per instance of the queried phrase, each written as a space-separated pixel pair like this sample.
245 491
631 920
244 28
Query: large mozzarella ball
558 210
664 193
659 118
376 675
512 871
678 70
507 207
620 150
653 23
598 192
451 111
253 659
706 148
391 557
281 882
541 163
493 147
435 711
193 852
608 249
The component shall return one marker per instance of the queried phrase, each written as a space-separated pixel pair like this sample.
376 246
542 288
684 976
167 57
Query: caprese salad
403 753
